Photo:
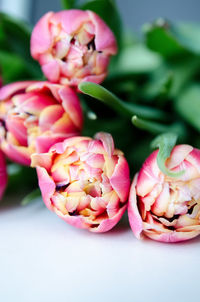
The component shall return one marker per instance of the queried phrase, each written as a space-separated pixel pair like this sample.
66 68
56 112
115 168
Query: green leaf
17 37
173 39
171 78
183 72
160 84
12 67
125 109
31 197
188 35
165 142
188 105
107 10
68 4
136 59
160 39
21 174
157 128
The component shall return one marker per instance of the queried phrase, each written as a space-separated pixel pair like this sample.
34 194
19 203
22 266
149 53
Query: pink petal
43 160
41 39
102 62
104 37
178 154
109 223
65 126
70 20
17 154
15 125
120 180
45 86
135 219
107 141
45 141
61 147
47 186
95 160
194 158
94 78
149 175
36 102
76 221
52 71
172 236
3 174
49 116
11 89
72 106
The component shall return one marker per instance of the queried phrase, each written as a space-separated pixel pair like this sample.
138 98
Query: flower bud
167 208
73 46
36 115
3 174
85 181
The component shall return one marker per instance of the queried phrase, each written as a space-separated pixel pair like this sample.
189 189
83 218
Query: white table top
44 259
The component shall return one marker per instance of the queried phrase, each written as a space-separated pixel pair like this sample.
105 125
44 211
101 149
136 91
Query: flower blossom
73 46
167 208
36 115
85 181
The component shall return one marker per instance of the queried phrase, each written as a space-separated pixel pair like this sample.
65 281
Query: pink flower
36 115
73 46
167 208
85 181
3 174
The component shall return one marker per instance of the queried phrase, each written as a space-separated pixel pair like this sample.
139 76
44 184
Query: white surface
44 259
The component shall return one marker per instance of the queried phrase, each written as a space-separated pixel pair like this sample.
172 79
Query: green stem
31 197
158 128
127 109
165 142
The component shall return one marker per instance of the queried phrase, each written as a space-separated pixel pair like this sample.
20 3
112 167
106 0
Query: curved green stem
127 109
165 142
31 197
158 128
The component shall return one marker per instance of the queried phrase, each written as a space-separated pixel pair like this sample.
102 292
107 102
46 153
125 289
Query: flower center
177 204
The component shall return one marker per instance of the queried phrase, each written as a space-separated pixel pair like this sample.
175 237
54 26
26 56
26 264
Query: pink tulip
167 208
73 46
85 181
3 174
36 115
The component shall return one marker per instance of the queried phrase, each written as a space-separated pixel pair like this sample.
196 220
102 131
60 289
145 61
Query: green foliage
188 105
68 4
160 39
18 66
18 174
188 36
15 51
35 194
165 142
136 59
152 88
127 109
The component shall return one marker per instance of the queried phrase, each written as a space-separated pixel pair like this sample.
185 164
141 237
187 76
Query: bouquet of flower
56 116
